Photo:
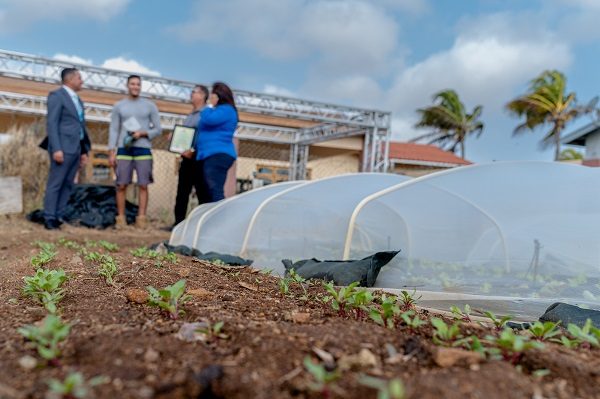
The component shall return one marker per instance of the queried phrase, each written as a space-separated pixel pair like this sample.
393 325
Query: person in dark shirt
187 167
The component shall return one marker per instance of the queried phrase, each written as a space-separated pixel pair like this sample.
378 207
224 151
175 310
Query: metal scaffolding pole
298 161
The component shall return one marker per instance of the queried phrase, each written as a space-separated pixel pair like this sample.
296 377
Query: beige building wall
334 165
415 171
319 166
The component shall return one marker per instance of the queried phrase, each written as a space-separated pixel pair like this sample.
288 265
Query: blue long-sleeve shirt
215 132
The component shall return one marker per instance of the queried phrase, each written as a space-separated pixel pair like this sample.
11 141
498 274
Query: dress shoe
51 224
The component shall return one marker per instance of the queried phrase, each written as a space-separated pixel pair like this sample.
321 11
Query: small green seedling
93 256
169 298
361 301
47 337
463 315
74 385
511 346
45 256
109 246
143 252
444 335
44 287
386 315
213 332
407 301
544 331
472 343
301 281
587 335
284 285
392 389
268 272
412 322
45 246
499 323
170 257
339 299
323 380
69 244
108 269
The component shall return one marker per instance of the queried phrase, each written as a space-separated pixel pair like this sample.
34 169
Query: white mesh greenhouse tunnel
517 235
529 231
221 226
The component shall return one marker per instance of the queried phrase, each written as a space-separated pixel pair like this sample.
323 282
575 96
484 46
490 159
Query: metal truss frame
42 69
334 121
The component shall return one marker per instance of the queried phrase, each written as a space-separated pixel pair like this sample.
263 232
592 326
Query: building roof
578 136
423 154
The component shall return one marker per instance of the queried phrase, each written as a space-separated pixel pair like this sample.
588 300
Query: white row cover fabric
515 230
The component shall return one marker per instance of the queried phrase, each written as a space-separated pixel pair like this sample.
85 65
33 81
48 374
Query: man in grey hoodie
134 123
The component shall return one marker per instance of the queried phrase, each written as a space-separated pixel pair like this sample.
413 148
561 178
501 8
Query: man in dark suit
67 143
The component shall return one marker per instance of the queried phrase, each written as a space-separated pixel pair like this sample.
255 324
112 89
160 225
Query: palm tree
547 103
569 154
450 122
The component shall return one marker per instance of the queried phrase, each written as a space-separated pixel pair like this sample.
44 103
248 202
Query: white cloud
361 90
128 65
412 6
72 58
19 15
278 91
341 35
487 67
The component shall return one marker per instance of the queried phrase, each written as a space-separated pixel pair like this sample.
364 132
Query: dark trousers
187 169
211 174
59 185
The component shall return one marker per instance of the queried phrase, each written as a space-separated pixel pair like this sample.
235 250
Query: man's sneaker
141 222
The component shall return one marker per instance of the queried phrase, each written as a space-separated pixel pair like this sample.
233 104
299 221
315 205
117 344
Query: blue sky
387 54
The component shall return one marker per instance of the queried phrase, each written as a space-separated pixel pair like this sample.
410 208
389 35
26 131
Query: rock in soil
298 317
189 332
448 357
137 295
363 359
151 356
28 362
201 293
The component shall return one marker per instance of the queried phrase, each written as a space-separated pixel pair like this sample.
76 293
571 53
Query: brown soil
269 335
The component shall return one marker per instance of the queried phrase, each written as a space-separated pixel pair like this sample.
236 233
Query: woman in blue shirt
215 151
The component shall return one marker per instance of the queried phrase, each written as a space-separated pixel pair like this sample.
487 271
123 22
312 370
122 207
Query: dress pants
186 181
59 186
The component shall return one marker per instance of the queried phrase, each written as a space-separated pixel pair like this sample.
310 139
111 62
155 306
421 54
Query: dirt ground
268 336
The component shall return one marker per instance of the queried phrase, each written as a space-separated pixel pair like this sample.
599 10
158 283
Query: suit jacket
63 126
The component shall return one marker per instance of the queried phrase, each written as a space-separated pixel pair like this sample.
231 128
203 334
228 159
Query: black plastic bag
566 314
91 205
231 260
342 272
